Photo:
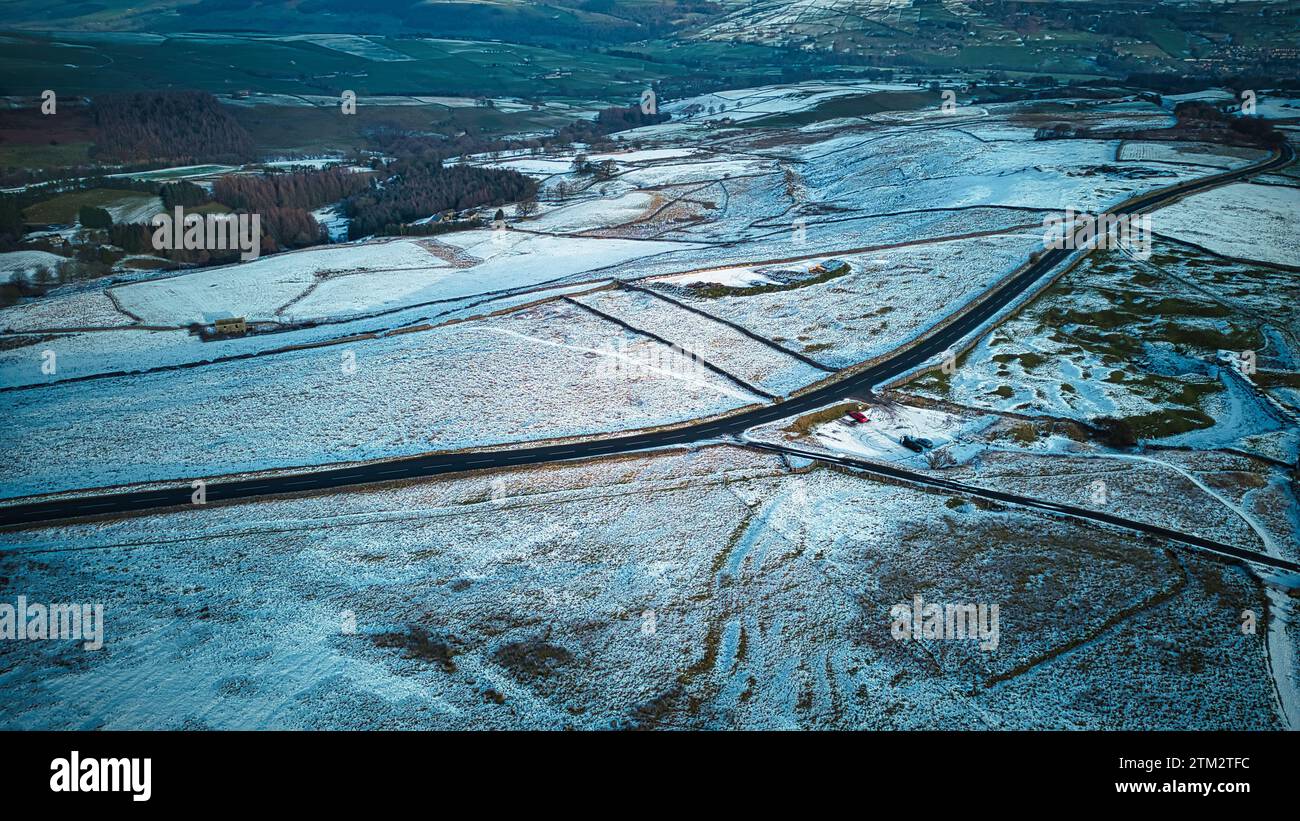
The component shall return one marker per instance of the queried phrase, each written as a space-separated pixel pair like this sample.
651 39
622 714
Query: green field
44 156
326 130
62 208
78 64
858 105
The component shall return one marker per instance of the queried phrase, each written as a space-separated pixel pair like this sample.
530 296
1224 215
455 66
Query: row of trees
137 238
1191 114
297 189
417 188
184 193
281 200
11 222
192 126
418 185
282 228
404 144
1200 114
177 126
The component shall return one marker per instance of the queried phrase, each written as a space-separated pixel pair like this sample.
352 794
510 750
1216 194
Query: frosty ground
708 588
722 265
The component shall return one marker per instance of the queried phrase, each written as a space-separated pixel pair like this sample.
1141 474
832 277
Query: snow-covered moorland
723 260
711 588
539 373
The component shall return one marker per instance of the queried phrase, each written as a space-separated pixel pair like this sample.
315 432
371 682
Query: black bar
433 773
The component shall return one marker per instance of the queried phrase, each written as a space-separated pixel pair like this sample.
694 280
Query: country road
928 349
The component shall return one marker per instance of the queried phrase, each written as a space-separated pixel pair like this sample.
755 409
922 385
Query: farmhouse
231 325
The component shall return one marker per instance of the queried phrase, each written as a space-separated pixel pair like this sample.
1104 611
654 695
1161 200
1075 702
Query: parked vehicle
916 443
859 417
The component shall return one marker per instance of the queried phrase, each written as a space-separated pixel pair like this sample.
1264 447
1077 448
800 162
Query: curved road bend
433 464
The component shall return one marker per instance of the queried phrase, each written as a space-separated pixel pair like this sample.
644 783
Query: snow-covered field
1206 154
881 437
135 208
596 213
711 586
889 298
258 289
345 280
1230 497
135 348
973 165
749 361
682 173
23 265
700 589
364 47
753 103
82 309
539 373
1243 220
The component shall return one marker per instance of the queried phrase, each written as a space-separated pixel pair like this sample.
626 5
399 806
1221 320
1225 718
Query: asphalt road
928 349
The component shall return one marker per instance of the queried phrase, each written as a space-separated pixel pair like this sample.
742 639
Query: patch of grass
1030 360
1170 422
532 659
419 643
1143 279
62 209
857 105
32 62
1025 433
804 424
1236 337
1175 306
44 155
1275 379
716 290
